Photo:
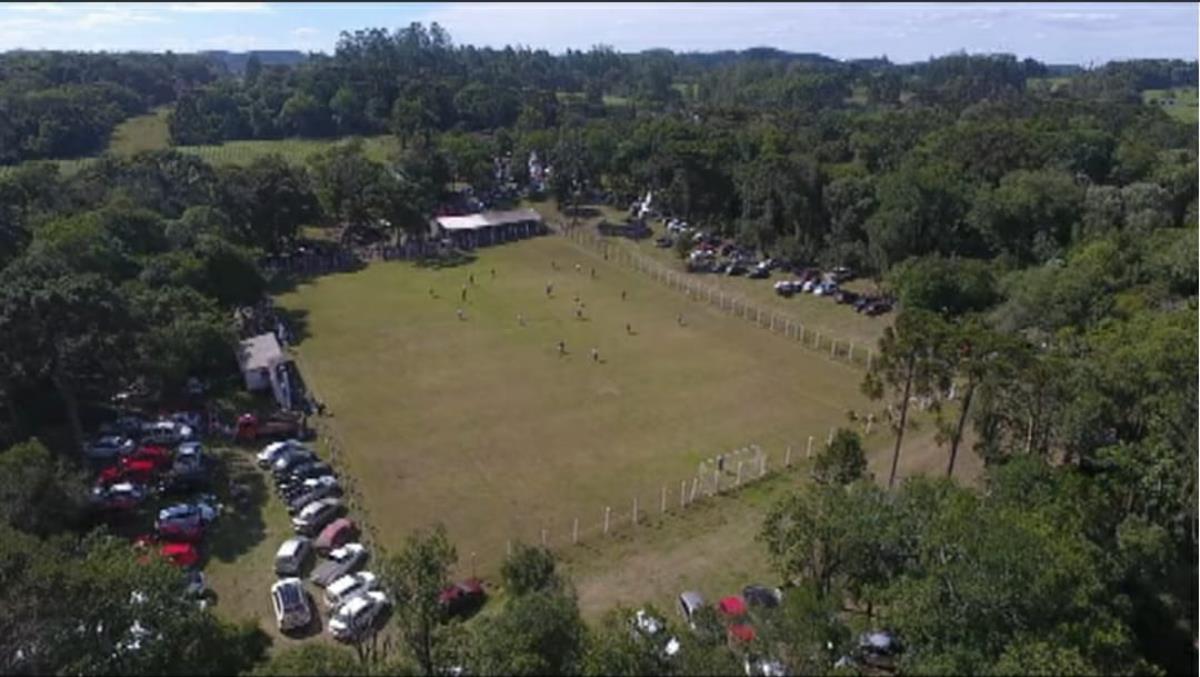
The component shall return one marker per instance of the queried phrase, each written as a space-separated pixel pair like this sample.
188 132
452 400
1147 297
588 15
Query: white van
291 604
290 558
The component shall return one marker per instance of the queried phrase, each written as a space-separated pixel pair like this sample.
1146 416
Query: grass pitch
479 423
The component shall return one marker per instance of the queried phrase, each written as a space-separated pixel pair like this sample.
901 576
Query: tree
908 365
311 660
539 633
71 328
37 495
89 606
972 353
842 461
416 577
947 286
269 200
613 648
529 569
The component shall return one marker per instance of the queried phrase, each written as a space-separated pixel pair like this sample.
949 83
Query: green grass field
144 132
1180 103
480 423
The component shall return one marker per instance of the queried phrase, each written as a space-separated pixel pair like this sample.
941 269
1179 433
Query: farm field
1180 103
144 132
480 424
817 313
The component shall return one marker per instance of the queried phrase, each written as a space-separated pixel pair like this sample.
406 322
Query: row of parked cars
310 490
352 598
712 254
875 649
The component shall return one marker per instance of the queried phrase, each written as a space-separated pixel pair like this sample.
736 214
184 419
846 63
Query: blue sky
1052 32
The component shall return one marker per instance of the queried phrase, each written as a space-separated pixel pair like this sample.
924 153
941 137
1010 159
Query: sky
1079 33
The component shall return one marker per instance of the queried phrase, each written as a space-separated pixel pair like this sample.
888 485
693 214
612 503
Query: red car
462 597
138 471
158 457
180 554
732 607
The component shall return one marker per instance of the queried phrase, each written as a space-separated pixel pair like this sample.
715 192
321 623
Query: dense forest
1042 244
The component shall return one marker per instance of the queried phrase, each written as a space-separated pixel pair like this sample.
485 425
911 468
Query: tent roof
487 219
732 606
259 352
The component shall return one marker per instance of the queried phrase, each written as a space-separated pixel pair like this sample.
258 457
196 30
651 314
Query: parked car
180 554
291 604
356 619
123 426
316 515
348 587
732 607
159 458
761 595
825 289
292 555
121 496
317 493
182 530
201 510
303 470
808 285
861 303
336 534
274 450
785 287
842 274
109 447
136 472
166 432
845 297
759 272
339 562
689 603
462 598
294 486
878 308
292 459
664 242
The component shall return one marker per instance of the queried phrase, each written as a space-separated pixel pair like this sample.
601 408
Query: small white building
263 364
487 228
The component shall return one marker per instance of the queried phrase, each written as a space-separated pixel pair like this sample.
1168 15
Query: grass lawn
144 132
296 151
1180 103
481 425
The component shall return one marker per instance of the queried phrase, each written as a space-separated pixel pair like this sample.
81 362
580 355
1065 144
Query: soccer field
479 423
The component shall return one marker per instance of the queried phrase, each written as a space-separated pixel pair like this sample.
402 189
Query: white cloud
220 7
1080 16
35 7
305 32
118 15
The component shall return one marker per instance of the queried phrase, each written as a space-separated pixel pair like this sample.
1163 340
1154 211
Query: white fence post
833 348
682 492
762 465
607 512
663 509
575 532
829 440
635 507
808 453
543 538
508 548
738 483
787 457
695 485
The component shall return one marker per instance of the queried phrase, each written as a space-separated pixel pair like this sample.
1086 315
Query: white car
109 447
348 587
274 450
316 515
808 286
355 619
290 601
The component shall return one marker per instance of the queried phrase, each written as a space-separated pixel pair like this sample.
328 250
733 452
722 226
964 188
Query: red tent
742 632
732 606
